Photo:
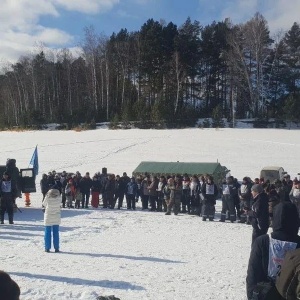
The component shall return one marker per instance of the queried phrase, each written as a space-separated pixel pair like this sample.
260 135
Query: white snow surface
136 254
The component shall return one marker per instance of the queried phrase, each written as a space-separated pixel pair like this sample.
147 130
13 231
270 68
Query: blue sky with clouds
59 23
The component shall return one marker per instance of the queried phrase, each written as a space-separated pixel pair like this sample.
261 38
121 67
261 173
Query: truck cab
272 173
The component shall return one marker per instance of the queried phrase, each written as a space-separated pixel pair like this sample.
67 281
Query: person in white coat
52 217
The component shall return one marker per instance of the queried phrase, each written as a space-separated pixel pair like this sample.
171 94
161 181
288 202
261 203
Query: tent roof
271 168
190 168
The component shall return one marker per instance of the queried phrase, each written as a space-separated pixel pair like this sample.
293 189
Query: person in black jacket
262 267
57 183
245 199
44 185
229 192
64 181
209 191
85 185
14 174
118 193
121 188
236 198
109 191
259 212
8 193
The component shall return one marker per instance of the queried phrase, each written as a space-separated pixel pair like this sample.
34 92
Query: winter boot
249 219
232 218
242 219
223 217
165 206
2 213
159 205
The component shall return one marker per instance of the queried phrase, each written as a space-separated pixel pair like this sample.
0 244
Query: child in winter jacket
69 193
78 198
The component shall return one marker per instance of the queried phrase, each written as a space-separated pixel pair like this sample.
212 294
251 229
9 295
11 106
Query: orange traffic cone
27 199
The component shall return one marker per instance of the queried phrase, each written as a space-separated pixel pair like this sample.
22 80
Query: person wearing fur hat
52 218
259 211
8 193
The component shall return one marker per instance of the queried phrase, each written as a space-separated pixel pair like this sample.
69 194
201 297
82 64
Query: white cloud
239 10
22 15
20 30
141 2
124 14
87 6
280 14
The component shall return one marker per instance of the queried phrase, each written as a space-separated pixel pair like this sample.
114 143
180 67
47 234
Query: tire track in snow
119 150
269 142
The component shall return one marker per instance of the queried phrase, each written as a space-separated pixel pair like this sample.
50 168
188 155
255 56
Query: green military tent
191 168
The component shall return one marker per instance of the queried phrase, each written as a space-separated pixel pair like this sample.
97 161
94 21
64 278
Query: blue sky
132 14
29 25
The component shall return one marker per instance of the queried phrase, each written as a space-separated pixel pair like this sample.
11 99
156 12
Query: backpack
287 282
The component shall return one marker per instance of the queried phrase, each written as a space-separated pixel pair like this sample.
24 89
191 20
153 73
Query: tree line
160 73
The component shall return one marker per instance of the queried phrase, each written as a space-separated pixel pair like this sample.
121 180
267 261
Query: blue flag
35 161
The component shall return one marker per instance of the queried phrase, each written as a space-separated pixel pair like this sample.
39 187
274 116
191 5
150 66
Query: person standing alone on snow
8 193
52 217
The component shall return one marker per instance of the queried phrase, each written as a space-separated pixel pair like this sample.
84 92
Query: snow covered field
135 254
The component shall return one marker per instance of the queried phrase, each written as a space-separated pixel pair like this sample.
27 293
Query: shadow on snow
122 285
145 258
36 214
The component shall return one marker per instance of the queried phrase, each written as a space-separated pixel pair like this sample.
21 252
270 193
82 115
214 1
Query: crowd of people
258 202
179 193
